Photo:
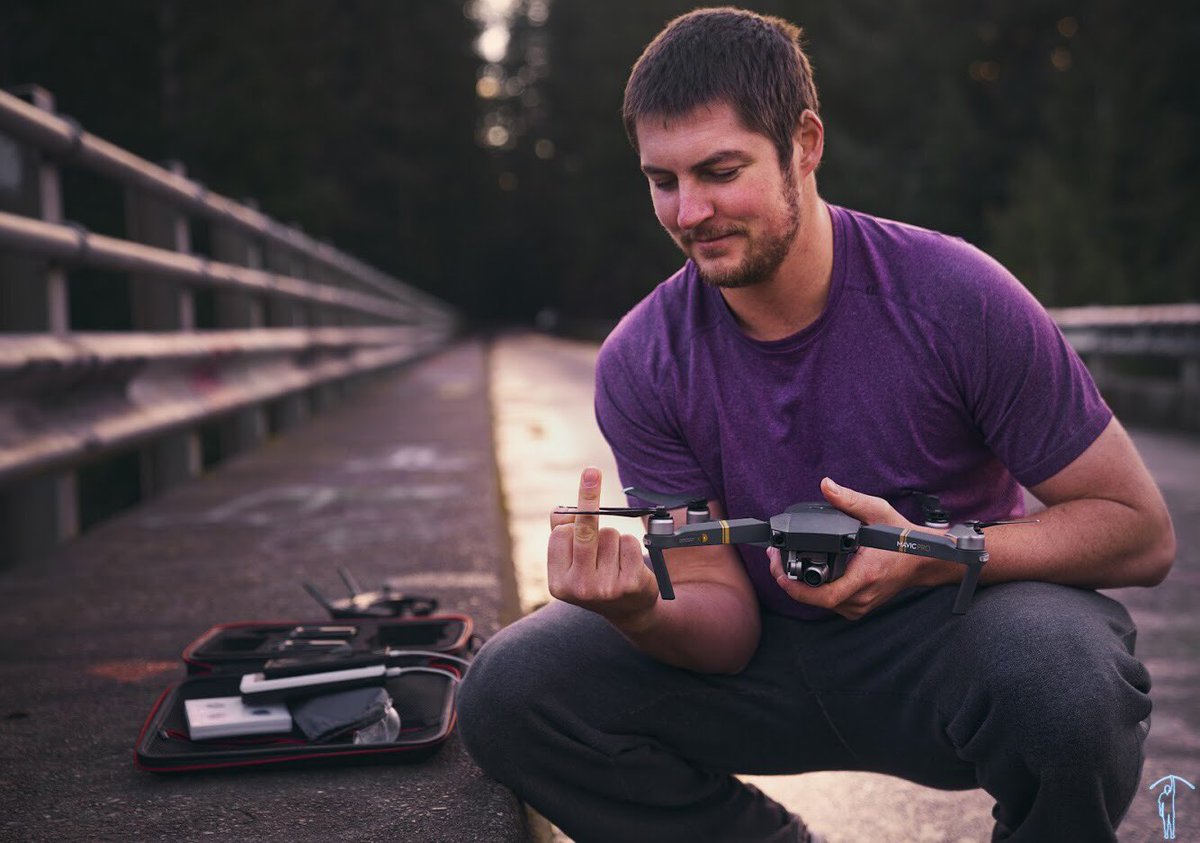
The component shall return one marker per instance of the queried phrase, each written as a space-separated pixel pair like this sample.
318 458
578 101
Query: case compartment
424 701
243 647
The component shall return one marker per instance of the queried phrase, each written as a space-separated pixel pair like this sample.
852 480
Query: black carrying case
217 660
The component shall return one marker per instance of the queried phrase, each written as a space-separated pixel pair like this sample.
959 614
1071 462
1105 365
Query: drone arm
907 540
738 531
961 545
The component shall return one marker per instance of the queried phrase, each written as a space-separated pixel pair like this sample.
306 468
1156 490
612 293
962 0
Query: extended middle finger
586 526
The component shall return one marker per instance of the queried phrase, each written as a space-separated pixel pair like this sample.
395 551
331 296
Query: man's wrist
634 624
934 572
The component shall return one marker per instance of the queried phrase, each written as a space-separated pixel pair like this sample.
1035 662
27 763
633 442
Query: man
800 345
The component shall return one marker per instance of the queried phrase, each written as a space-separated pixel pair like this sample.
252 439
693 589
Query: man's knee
494 697
1058 678
526 683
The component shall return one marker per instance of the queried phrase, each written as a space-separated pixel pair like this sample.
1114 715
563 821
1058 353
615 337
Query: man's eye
724 175
663 184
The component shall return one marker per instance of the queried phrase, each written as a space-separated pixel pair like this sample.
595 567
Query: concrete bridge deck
402 482
398 482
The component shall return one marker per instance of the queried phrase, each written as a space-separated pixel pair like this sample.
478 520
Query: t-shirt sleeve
632 413
1034 400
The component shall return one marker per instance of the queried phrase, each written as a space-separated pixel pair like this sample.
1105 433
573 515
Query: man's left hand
872 576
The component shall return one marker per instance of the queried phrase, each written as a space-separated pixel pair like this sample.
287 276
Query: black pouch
424 659
330 716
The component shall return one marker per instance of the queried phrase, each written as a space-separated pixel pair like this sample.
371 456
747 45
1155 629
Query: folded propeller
696 502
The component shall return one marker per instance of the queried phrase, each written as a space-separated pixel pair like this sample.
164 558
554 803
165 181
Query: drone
815 539
385 603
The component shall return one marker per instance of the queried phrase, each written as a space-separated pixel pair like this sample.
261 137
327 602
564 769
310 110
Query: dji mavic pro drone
815 539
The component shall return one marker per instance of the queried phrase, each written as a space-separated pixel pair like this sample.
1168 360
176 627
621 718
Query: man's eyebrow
720 157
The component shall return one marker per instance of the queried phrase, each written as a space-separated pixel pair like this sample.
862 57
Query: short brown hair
753 62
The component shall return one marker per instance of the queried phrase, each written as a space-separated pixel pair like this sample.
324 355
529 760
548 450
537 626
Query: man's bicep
716 564
1109 469
1027 391
721 565
649 448
1107 508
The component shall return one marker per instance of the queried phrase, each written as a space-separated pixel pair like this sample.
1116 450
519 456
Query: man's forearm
1091 543
709 627
1105 526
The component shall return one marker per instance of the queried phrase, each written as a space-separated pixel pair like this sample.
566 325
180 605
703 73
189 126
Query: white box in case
225 717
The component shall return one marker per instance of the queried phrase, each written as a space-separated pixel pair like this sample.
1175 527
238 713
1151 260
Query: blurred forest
475 150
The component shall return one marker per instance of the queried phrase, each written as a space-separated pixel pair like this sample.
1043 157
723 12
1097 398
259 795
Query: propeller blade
980 525
350 582
606 510
320 598
668 501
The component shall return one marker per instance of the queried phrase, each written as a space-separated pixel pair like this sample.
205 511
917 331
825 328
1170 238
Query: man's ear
808 142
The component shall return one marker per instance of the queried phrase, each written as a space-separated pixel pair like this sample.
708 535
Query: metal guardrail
1108 338
293 319
73 245
64 140
1167 330
118 390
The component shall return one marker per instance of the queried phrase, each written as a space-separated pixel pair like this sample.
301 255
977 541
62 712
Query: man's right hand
600 570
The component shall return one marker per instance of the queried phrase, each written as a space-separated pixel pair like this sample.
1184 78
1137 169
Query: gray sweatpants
1033 695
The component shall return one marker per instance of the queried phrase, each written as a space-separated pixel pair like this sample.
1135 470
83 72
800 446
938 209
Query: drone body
816 540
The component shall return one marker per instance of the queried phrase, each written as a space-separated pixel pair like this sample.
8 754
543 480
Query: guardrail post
247 428
318 398
161 305
327 394
33 293
37 514
1189 377
291 411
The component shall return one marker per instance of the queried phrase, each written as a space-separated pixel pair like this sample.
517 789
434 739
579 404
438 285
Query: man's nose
694 207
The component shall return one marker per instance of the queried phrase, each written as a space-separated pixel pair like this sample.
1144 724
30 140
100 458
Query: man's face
719 192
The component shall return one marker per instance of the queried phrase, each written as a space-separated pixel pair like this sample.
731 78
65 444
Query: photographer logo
1166 802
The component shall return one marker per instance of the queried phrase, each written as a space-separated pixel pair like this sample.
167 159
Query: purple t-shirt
931 368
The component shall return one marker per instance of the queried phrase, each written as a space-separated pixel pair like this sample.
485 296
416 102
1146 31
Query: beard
763 257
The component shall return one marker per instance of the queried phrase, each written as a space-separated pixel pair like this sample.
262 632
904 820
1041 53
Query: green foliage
1103 196
352 119
1059 138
